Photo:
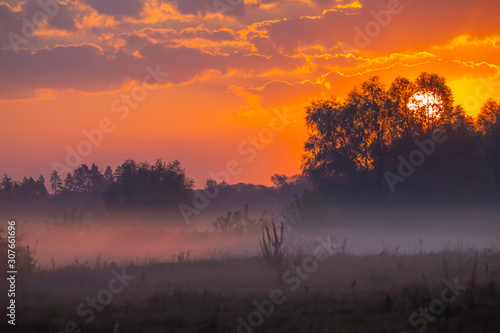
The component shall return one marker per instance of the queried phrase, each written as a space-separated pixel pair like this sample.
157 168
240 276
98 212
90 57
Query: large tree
354 141
353 136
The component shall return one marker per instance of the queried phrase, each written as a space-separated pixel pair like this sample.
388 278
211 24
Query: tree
96 178
437 100
69 184
41 189
457 119
153 189
351 137
352 143
29 188
328 150
488 117
400 93
108 176
55 182
279 180
7 186
82 181
488 123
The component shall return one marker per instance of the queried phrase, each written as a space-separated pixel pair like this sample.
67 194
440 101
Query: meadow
313 288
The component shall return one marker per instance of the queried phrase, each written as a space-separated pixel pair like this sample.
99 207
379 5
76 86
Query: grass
347 293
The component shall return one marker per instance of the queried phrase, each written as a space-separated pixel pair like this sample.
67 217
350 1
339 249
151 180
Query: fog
383 266
360 230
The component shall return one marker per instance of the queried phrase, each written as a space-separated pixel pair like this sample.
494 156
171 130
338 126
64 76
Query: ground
383 292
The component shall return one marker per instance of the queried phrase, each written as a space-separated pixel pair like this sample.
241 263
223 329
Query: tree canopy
354 143
154 189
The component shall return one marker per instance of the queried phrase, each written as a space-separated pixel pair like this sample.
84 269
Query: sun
427 103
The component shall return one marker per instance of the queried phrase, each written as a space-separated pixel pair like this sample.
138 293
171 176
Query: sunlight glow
428 102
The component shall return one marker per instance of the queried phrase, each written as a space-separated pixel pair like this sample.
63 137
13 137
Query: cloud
90 68
82 67
117 8
222 34
182 63
17 25
468 40
204 7
64 18
10 23
374 27
278 44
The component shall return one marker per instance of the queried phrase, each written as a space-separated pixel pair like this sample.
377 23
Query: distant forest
406 142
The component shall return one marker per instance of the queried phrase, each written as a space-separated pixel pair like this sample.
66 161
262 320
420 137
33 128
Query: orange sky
230 70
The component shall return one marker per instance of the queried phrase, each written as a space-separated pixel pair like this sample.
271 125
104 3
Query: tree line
405 141
376 143
132 186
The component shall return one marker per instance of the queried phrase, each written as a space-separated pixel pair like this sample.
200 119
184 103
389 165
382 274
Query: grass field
384 292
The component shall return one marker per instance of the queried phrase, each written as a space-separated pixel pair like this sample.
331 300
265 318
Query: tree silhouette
488 122
85 180
458 119
69 184
56 182
352 137
352 143
96 178
27 190
153 189
41 189
279 180
108 176
7 187
488 117
82 181
400 92
433 85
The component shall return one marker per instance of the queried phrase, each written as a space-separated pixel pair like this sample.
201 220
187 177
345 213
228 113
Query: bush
25 260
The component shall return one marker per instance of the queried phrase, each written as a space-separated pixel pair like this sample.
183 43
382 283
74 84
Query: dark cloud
134 42
19 26
412 25
169 37
9 23
83 67
87 67
63 18
202 7
165 35
182 63
117 8
216 35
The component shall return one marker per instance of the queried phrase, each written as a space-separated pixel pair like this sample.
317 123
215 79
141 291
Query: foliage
239 222
25 257
56 183
84 179
353 143
279 180
155 189
28 189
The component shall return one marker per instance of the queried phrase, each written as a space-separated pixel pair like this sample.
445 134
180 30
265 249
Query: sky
221 85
